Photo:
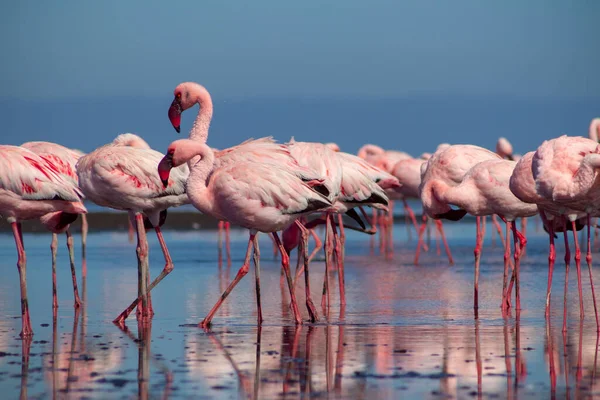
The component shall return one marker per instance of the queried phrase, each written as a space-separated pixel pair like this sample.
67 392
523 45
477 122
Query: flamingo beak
175 114
164 169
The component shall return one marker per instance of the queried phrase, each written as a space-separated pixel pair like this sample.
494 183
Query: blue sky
402 74
308 48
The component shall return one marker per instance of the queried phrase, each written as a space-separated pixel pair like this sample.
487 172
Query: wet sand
406 331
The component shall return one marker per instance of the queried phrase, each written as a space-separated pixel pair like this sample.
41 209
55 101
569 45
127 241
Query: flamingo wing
29 176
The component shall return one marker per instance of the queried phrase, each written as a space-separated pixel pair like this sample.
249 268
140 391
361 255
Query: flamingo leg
505 294
142 254
477 254
257 280
26 330
53 249
374 225
227 243
578 267
551 258
285 263
495 222
220 241
524 232
440 228
498 228
342 238
369 220
588 259
328 255
166 271
567 262
340 264
520 243
420 242
409 211
318 245
73 272
205 323
84 232
312 311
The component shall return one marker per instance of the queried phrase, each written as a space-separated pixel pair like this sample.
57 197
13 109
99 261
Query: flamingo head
175 111
187 94
165 165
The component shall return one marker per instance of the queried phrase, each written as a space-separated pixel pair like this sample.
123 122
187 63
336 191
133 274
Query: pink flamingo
125 178
384 159
258 196
361 185
522 185
408 173
322 159
447 167
484 190
64 160
31 188
565 171
132 140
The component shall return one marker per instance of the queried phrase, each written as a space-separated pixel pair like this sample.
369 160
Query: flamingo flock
286 190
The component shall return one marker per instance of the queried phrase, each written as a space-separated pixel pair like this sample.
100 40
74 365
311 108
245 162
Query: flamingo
261 197
484 190
385 159
565 171
522 185
408 173
125 178
30 188
323 160
64 160
447 167
361 185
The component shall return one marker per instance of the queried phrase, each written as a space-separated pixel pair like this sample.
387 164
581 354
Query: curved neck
594 128
586 174
197 182
201 124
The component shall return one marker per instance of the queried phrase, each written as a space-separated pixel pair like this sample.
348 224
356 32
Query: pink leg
325 298
257 280
523 231
420 242
567 262
551 258
84 232
241 273
53 248
374 225
220 226
166 271
498 228
578 267
495 222
26 330
440 228
588 259
318 245
520 243
285 263
340 264
342 237
410 214
227 243
73 272
312 311
142 253
477 253
505 294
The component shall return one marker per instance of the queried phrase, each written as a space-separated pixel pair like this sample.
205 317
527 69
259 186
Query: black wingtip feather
354 215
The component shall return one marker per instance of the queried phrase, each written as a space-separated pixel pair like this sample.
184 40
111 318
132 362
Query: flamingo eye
178 95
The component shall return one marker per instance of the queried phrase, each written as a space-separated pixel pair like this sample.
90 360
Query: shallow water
406 331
